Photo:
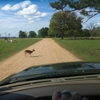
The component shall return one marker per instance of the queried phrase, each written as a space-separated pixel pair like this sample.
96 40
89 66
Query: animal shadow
33 56
36 56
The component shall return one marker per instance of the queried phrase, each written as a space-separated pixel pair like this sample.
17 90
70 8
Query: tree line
42 33
47 32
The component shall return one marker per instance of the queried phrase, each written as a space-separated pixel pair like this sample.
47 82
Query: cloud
98 23
25 9
43 0
28 11
11 27
8 7
31 13
1 20
31 21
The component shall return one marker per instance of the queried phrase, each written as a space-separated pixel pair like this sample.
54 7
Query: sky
28 15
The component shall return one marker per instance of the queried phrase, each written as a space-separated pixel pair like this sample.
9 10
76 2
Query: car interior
86 85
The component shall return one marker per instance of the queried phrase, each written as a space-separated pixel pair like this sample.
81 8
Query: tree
92 29
98 31
22 34
50 33
80 5
43 32
86 33
62 22
32 34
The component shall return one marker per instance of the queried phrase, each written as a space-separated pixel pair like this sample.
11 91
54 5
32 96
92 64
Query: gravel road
46 52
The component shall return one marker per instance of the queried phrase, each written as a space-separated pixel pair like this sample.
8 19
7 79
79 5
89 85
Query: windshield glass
37 35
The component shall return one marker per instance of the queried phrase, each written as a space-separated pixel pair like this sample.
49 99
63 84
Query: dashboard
87 85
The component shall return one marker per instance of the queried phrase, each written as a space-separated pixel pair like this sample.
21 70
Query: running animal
29 51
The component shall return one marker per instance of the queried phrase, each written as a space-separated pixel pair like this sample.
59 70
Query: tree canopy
43 32
62 22
88 8
32 34
22 34
86 33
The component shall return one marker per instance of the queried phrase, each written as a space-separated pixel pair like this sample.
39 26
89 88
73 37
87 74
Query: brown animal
28 51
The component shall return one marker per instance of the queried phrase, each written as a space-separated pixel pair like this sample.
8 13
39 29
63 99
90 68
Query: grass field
87 50
8 49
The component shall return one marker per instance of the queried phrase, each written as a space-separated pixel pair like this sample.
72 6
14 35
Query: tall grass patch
87 50
8 49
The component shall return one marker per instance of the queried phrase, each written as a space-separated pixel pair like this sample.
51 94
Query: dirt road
47 51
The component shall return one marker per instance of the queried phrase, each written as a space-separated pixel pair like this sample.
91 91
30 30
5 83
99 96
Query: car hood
56 70
51 68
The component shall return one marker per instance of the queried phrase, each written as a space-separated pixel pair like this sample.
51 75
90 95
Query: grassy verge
87 50
8 49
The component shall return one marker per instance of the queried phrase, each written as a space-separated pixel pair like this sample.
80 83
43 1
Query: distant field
87 50
8 49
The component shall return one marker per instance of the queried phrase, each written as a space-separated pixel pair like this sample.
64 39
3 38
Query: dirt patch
46 52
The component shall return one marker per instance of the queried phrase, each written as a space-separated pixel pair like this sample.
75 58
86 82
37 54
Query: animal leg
25 54
30 54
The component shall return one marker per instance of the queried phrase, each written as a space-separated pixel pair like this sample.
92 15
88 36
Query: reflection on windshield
54 71
63 69
38 70
58 68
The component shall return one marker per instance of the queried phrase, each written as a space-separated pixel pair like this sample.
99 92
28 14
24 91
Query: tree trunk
62 35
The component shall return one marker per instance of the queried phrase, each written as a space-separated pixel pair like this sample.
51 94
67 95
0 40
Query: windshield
35 33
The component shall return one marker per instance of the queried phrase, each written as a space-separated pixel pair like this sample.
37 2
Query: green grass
9 49
87 50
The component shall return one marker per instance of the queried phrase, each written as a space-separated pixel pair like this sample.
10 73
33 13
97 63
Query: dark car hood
54 70
51 68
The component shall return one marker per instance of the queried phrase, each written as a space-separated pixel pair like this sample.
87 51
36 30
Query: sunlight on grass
88 50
